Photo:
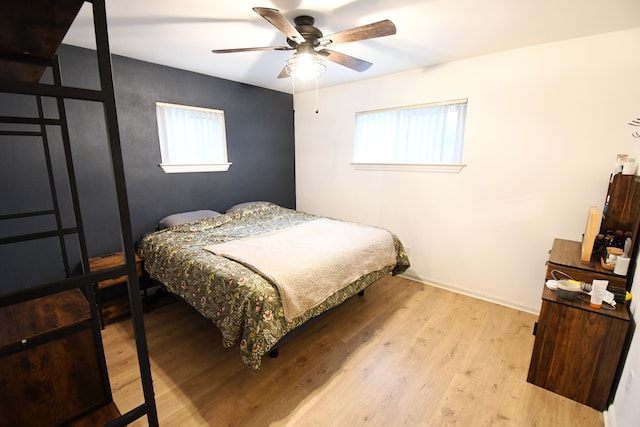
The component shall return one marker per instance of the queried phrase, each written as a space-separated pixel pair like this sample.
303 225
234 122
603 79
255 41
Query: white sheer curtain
424 134
191 135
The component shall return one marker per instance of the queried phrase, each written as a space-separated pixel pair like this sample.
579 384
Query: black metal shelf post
86 280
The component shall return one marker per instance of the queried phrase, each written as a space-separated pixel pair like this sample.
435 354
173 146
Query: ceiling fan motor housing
304 25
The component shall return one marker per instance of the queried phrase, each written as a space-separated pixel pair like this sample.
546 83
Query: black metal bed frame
85 281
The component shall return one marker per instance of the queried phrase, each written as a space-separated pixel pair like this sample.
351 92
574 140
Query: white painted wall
544 125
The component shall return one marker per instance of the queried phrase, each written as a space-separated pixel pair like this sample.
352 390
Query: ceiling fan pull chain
316 94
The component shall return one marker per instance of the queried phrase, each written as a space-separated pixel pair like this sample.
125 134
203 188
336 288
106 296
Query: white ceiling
181 33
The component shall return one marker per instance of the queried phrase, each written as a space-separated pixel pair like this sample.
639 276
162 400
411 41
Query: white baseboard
609 417
471 293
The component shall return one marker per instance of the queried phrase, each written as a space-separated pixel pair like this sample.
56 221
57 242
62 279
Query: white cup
629 167
622 266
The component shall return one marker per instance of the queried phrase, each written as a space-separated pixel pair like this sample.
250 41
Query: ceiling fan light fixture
305 65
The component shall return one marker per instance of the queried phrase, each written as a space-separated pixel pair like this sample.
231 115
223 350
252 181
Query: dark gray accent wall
260 143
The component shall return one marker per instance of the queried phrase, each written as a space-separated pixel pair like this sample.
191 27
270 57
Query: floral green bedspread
245 306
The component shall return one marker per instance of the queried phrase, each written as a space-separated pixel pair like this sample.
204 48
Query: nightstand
111 261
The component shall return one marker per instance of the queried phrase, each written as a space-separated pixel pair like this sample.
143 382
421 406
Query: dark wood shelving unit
52 355
52 361
622 213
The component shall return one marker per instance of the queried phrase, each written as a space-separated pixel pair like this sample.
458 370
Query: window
192 139
420 137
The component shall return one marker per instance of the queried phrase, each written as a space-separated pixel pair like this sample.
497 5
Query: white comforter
311 261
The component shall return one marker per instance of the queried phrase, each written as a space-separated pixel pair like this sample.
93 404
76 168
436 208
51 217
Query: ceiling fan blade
251 49
345 60
364 32
283 74
278 20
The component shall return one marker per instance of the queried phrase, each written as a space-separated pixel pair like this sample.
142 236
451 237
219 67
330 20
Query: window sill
177 168
410 167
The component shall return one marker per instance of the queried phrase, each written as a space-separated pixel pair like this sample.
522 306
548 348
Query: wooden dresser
52 369
578 350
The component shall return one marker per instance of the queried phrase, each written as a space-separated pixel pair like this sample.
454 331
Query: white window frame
196 144
398 136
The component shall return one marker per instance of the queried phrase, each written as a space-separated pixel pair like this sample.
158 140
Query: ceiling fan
311 45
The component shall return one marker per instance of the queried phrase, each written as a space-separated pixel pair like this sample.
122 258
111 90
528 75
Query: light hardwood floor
404 354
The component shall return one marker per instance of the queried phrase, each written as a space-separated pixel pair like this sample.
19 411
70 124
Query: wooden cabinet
52 368
578 349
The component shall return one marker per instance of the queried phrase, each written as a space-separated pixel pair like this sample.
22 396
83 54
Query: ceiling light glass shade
305 66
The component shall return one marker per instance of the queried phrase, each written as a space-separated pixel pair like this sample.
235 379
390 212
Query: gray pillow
246 204
184 217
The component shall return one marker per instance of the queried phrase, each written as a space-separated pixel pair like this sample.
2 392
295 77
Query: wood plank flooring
404 354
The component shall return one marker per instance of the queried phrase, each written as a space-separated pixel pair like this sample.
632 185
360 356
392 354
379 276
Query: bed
245 301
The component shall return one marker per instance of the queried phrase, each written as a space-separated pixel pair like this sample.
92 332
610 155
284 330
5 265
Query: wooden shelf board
32 30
